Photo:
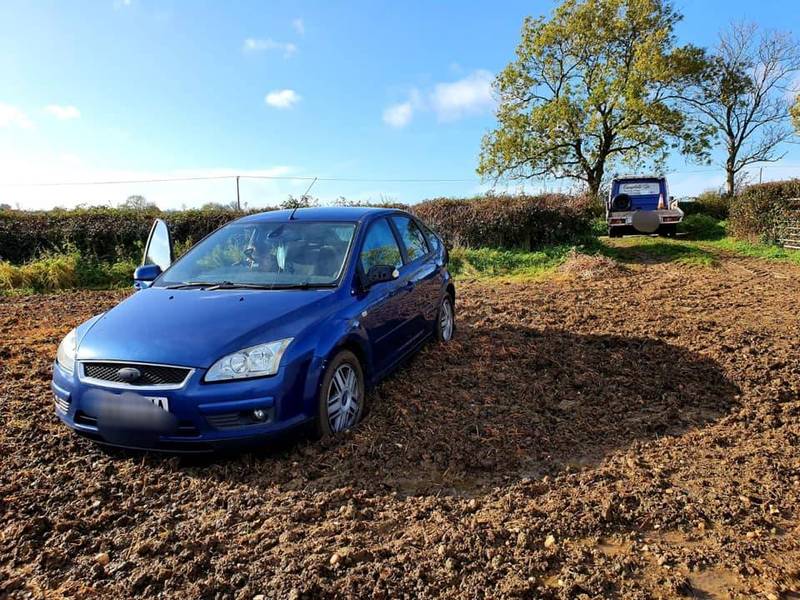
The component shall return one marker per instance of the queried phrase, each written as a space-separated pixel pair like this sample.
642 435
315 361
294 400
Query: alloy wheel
343 399
446 320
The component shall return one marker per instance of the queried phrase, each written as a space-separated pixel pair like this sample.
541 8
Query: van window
640 188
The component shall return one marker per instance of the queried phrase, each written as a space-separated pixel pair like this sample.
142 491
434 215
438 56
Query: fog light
260 414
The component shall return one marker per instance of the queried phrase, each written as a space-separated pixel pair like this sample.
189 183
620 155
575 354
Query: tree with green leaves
795 113
137 202
744 96
594 87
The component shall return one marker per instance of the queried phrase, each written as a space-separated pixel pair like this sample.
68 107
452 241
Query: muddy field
609 432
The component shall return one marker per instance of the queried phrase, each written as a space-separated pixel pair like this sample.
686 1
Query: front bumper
203 416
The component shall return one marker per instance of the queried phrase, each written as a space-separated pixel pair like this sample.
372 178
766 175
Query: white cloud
11 116
471 95
265 45
282 98
398 115
118 4
468 96
63 112
299 26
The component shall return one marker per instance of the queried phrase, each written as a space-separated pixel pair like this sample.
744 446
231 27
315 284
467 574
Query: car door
419 277
381 309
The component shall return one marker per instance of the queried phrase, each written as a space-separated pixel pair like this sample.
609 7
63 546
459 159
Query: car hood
194 328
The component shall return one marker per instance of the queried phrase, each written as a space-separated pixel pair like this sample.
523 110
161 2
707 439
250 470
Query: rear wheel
341 395
446 320
669 230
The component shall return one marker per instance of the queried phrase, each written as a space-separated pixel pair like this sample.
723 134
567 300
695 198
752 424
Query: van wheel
342 395
669 231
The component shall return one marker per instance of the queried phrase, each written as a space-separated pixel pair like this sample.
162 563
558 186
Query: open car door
157 255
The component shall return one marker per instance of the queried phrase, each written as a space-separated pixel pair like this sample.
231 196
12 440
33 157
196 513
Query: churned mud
635 435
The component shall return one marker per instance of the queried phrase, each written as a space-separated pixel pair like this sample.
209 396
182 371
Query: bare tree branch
745 96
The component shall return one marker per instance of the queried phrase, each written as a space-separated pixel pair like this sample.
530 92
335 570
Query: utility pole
760 174
238 201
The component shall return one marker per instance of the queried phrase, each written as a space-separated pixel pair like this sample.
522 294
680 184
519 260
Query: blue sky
139 89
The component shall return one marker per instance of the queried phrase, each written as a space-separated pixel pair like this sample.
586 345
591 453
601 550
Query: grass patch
702 227
750 249
493 262
62 272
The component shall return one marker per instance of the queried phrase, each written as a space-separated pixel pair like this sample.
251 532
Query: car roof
320 213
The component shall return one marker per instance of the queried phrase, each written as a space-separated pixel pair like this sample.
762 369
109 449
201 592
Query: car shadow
498 404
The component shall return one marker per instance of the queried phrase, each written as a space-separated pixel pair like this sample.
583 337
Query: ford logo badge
129 374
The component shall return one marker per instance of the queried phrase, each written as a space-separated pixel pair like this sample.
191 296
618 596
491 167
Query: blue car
274 321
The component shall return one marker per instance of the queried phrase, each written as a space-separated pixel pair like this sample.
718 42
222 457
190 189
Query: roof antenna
291 216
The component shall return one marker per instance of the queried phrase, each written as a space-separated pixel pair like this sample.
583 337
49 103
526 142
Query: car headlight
256 361
66 351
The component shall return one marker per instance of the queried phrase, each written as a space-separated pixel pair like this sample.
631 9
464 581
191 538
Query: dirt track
636 435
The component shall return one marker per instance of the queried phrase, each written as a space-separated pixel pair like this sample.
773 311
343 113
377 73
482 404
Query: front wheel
446 320
341 395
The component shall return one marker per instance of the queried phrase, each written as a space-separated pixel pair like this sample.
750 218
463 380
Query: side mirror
144 275
380 274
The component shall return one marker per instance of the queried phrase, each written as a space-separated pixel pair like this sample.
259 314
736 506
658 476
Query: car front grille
149 375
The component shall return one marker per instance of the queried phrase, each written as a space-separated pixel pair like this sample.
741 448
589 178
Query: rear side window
412 236
380 247
433 240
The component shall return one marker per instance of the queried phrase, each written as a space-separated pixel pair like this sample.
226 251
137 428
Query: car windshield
267 254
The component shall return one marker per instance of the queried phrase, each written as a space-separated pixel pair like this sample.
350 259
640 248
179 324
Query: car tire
669 231
446 320
342 391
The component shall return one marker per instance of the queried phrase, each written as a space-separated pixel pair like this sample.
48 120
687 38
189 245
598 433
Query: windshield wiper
230 285
188 284
306 285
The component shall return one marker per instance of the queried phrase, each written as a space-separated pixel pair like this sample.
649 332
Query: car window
413 238
380 247
270 253
433 240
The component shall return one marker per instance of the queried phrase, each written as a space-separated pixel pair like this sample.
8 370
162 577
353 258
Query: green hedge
712 204
113 234
100 233
757 213
524 222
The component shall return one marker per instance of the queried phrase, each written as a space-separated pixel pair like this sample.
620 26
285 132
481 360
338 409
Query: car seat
327 262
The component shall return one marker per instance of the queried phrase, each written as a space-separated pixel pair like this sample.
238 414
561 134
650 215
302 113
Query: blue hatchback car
273 321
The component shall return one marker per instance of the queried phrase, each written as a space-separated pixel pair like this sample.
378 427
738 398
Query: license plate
159 402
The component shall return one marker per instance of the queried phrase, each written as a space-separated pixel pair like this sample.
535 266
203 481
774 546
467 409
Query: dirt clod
594 267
